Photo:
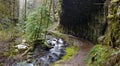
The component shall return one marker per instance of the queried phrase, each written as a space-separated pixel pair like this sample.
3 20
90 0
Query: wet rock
21 46
60 41
23 41
54 53
25 64
49 42
54 41
100 39
30 64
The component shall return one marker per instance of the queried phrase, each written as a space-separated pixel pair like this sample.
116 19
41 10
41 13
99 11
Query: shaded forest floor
3 46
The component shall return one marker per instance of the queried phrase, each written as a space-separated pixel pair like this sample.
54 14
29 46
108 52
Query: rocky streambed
56 52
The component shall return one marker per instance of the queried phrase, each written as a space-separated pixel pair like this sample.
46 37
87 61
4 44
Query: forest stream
55 53
59 32
45 57
51 55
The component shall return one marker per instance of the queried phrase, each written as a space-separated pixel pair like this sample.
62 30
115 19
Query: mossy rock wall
83 18
108 52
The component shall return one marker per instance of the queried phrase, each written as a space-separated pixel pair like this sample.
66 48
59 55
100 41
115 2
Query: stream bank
79 58
84 46
43 56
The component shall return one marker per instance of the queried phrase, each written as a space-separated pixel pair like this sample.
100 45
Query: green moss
11 52
70 52
107 55
115 1
98 55
112 33
110 16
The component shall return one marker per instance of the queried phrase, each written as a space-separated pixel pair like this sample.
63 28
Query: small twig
25 52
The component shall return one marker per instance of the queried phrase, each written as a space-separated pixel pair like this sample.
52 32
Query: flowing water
53 54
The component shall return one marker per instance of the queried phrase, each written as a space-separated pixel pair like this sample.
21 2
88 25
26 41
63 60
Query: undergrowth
8 33
98 55
70 51
12 51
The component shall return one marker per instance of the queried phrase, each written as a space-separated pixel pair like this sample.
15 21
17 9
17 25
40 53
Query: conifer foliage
37 24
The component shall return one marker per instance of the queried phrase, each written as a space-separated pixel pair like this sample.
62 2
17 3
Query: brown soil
4 46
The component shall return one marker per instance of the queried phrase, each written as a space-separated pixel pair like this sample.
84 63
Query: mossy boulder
102 56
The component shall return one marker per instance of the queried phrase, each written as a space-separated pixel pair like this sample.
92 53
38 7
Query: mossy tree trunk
112 35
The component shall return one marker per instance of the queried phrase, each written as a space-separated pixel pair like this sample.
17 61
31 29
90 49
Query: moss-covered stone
70 52
115 1
100 55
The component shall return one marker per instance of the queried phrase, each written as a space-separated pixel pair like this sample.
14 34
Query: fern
36 24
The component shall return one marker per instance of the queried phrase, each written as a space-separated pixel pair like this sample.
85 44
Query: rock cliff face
108 52
9 10
83 18
91 19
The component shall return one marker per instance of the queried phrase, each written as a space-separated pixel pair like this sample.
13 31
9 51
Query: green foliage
37 24
110 16
98 55
112 33
115 1
70 51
